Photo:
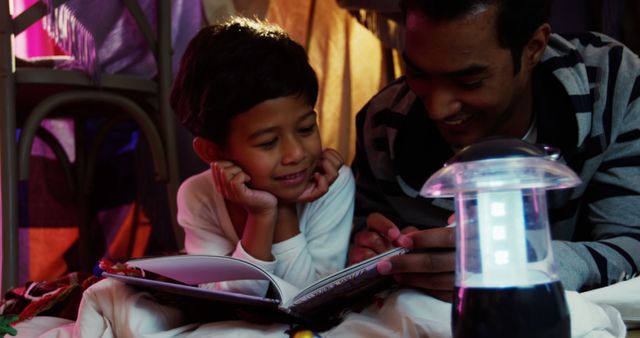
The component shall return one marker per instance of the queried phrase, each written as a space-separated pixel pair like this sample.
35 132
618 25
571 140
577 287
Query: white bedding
112 309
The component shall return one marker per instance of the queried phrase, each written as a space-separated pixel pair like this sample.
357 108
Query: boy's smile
295 178
277 144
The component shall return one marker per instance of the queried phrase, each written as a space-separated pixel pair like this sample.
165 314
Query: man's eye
468 85
413 74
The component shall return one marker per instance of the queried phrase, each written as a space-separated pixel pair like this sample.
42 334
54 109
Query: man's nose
440 103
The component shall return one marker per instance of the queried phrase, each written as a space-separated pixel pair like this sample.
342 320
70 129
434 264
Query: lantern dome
499 163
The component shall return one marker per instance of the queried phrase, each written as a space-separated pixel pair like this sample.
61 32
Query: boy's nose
292 151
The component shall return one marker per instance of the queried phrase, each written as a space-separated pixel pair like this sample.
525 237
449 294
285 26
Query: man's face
465 79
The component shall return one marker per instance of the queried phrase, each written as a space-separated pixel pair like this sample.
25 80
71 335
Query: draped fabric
94 36
348 60
347 57
352 44
102 36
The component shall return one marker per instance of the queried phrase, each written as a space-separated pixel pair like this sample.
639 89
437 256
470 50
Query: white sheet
112 309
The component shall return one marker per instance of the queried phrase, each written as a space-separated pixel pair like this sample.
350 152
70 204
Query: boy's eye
268 144
307 130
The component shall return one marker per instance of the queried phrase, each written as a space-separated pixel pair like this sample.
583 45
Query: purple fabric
102 36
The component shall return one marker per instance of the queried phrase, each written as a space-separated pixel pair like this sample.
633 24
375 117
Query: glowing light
498 209
499 233
501 257
502 237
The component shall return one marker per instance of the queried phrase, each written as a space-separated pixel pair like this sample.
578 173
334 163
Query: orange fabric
292 16
47 246
345 55
118 248
46 255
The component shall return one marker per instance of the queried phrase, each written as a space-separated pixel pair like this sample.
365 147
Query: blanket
58 298
112 309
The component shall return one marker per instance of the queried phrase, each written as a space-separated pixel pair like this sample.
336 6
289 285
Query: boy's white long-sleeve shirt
317 251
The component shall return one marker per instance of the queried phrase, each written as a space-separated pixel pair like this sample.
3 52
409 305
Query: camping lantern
506 280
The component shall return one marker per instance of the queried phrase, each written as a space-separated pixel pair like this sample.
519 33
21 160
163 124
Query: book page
365 269
201 269
195 291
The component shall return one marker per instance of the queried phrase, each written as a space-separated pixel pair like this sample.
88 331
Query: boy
273 196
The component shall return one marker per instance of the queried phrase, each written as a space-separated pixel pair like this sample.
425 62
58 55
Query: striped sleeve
369 196
611 199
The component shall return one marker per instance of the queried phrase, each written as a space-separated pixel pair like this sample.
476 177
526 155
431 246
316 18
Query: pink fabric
33 42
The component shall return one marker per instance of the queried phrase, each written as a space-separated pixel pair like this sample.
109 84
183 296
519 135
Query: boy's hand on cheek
328 167
317 187
231 182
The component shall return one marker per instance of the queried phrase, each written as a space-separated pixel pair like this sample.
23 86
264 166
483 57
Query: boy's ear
206 150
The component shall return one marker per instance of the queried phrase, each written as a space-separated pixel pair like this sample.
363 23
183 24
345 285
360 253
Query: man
477 68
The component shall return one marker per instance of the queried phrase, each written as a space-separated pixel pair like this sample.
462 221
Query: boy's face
465 79
277 143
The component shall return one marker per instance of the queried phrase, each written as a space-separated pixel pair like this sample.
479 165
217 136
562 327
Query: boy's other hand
231 182
328 167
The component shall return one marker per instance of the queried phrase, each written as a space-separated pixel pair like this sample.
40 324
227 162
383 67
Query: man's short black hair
229 68
516 23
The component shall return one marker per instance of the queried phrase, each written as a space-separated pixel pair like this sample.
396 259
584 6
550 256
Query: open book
318 305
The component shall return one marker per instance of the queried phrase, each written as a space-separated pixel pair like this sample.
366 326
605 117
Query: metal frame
14 158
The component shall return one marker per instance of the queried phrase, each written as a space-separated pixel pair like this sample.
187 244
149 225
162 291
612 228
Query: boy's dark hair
516 23
229 68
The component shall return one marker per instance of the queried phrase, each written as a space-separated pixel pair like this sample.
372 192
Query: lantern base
512 312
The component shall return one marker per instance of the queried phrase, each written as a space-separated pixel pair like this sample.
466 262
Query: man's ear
206 150
534 49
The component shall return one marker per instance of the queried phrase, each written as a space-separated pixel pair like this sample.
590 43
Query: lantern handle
551 153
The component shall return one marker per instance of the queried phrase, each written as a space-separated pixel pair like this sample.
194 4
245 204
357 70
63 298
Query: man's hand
432 269
380 235
327 172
